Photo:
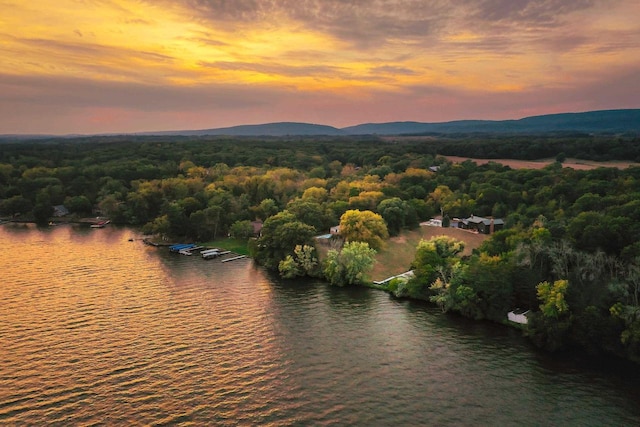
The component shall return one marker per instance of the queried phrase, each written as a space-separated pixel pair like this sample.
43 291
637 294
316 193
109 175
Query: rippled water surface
98 330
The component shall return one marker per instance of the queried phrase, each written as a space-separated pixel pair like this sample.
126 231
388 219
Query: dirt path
539 164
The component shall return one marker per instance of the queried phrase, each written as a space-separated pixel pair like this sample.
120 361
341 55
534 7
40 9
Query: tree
43 209
160 225
207 223
490 279
364 226
552 298
316 194
435 258
15 205
266 208
350 265
78 204
241 229
304 261
179 224
398 214
280 235
310 212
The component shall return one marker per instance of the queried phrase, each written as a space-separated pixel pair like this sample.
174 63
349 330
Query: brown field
399 252
539 164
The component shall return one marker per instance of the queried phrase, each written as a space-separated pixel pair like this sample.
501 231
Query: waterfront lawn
398 253
238 246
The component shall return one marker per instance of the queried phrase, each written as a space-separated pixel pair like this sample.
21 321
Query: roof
257 226
473 219
61 210
324 236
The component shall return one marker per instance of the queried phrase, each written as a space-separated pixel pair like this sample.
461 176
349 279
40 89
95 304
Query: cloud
536 13
277 68
361 23
68 105
368 24
84 93
210 63
393 70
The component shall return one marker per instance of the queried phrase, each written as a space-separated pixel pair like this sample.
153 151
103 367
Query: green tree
241 229
280 235
266 208
304 261
309 212
490 279
15 205
397 214
350 265
208 223
78 204
160 226
435 258
289 268
43 209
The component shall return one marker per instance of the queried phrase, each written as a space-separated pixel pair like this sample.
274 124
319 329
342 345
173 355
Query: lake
99 330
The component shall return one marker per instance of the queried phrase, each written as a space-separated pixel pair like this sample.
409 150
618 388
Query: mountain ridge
598 121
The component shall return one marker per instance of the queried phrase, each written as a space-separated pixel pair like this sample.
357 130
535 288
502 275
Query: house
60 210
482 225
257 228
518 316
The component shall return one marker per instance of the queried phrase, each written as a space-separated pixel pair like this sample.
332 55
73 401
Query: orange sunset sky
93 66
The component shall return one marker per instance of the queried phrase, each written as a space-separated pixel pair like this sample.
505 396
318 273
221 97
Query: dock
234 258
406 275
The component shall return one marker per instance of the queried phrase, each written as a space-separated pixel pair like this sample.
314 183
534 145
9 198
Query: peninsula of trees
569 251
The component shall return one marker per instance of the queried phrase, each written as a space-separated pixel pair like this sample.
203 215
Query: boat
100 224
181 247
189 251
210 253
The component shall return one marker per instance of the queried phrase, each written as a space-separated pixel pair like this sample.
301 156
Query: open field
539 164
399 252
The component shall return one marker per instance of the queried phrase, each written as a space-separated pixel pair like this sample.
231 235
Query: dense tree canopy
579 227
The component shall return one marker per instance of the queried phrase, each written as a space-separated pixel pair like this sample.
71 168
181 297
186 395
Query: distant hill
268 129
606 121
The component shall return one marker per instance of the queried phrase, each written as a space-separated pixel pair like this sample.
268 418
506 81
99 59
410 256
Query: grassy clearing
238 246
399 252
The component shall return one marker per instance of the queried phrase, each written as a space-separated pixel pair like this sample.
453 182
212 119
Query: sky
119 66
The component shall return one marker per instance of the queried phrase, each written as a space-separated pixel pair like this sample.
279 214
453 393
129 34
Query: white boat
100 224
210 253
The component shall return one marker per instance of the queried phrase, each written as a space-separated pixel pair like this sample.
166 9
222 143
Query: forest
569 251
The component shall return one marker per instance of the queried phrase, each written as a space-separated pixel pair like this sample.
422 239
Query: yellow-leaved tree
364 226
